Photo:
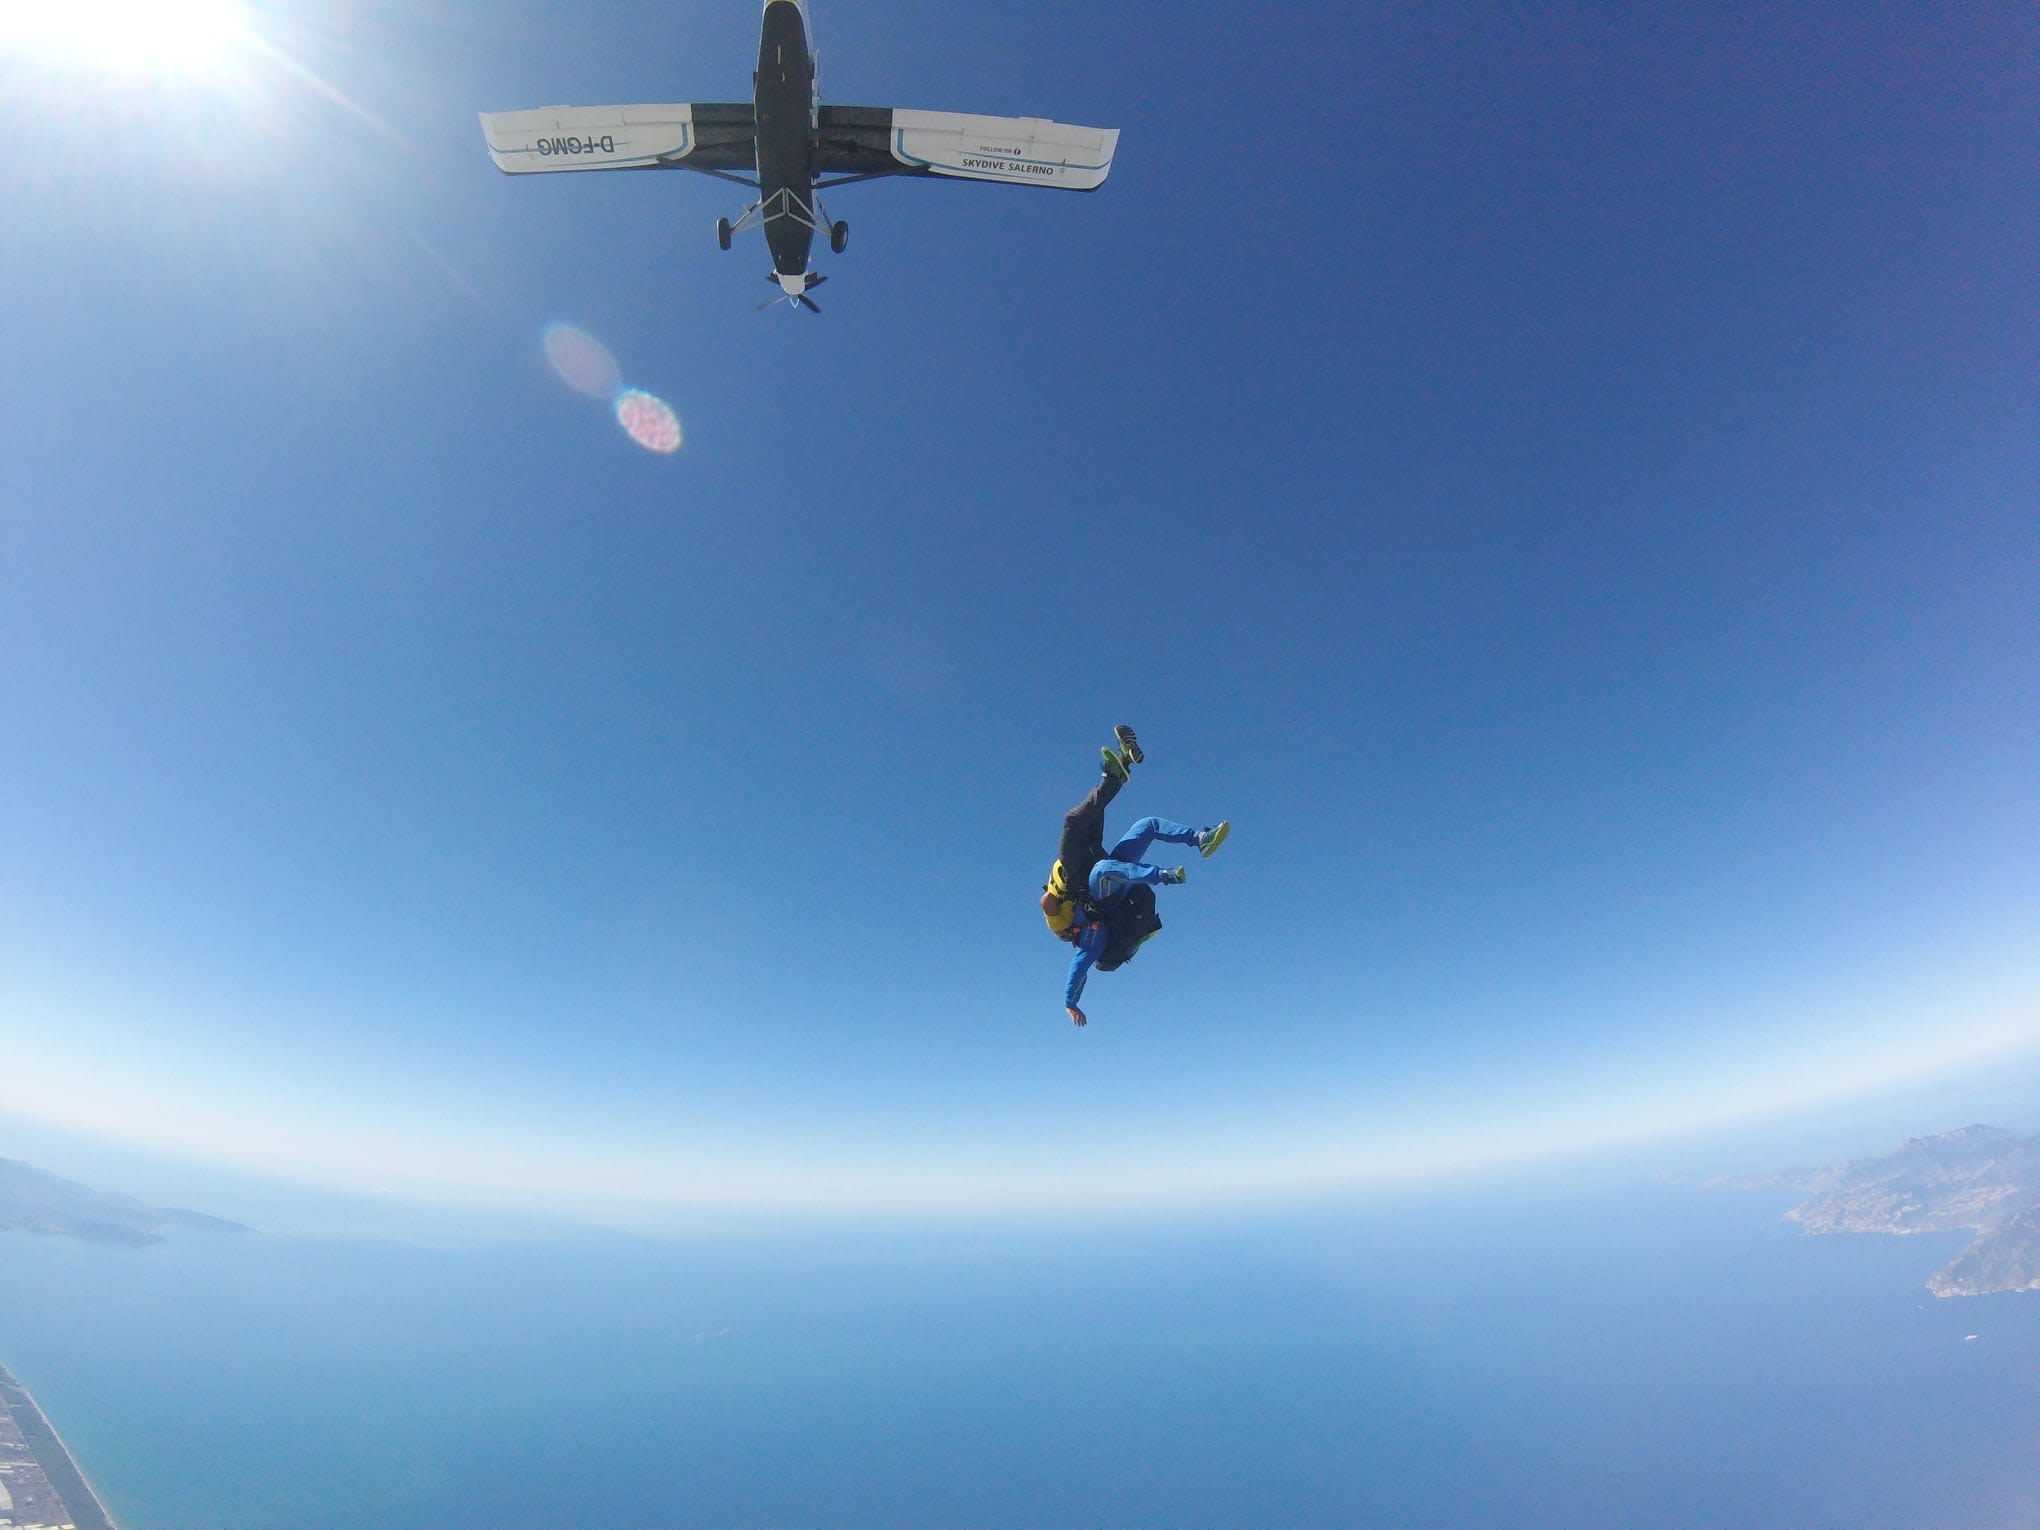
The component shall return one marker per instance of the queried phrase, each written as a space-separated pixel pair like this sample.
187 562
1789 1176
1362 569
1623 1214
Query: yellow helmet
1057 907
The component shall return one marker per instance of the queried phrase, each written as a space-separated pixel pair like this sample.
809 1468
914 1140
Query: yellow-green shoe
1212 838
1115 767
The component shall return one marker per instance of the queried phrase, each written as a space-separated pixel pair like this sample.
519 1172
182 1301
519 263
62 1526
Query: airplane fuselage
785 102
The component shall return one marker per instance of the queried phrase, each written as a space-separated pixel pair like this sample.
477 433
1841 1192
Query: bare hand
1077 1017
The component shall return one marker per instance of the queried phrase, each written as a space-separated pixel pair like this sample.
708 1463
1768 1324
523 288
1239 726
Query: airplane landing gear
784 204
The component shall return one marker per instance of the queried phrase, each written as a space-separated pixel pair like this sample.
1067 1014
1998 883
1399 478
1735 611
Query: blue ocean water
1654 1357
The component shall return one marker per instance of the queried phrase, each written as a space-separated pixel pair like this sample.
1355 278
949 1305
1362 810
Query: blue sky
1562 482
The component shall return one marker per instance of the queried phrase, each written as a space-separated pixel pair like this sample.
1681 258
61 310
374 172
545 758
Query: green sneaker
1128 744
1175 876
1212 838
1115 767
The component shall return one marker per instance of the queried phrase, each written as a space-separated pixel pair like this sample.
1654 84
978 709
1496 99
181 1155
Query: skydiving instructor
1102 901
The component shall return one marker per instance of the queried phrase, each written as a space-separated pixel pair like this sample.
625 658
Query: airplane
795 147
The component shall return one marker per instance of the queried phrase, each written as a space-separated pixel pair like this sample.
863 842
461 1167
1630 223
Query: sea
1643 1355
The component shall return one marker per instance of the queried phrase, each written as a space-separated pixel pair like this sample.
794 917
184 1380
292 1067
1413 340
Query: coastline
53 1456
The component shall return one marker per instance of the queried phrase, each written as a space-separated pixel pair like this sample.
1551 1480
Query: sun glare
172 37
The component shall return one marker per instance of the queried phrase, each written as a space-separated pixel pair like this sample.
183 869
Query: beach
40 1480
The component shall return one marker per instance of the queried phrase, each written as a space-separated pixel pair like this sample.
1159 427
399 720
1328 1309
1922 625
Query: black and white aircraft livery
796 147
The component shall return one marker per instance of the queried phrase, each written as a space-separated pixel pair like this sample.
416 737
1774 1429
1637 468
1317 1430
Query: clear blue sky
1563 482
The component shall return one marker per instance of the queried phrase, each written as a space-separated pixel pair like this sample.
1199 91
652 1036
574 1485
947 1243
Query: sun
166 37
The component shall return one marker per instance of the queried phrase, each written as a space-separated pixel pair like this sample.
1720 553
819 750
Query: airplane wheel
722 232
839 236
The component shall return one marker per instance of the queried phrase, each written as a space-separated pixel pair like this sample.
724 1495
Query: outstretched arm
1090 943
1080 968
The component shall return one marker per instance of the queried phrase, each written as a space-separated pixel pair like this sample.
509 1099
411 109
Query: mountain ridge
34 1200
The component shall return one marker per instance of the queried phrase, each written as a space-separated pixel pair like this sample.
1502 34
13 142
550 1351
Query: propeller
814 279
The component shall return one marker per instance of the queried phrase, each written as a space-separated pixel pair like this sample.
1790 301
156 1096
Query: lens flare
581 361
584 364
648 420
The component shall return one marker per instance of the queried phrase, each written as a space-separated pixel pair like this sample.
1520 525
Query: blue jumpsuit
1110 879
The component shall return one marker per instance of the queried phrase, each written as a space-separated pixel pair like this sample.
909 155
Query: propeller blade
815 279
770 303
810 304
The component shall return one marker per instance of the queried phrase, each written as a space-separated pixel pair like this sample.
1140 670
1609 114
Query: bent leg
1110 878
1144 833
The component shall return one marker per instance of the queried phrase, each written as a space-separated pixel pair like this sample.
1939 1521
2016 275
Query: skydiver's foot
1115 767
1128 744
1175 876
1213 837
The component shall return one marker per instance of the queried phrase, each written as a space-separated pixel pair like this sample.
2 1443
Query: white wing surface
1020 151
678 134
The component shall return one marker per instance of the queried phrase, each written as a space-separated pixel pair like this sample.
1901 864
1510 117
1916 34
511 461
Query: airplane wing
859 141
711 136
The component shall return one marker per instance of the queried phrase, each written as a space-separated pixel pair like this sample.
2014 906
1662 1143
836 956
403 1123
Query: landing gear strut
784 204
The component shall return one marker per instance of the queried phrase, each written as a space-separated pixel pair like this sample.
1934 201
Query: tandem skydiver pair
1102 901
